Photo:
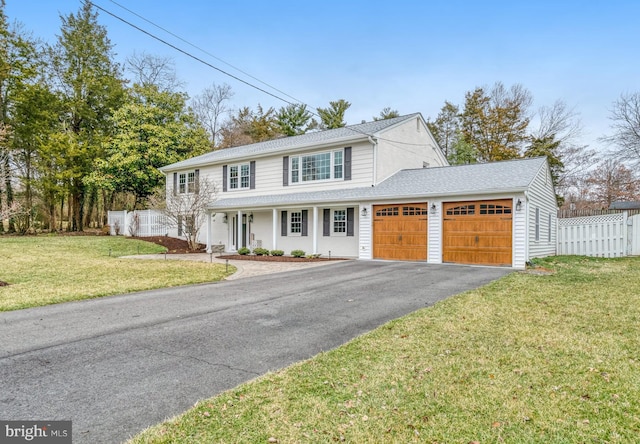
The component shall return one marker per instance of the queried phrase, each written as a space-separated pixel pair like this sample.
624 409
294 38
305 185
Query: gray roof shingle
351 132
506 176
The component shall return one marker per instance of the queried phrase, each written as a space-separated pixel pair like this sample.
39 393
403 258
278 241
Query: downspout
374 142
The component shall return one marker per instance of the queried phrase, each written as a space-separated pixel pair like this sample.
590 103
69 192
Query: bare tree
625 117
562 126
612 181
210 107
149 69
187 211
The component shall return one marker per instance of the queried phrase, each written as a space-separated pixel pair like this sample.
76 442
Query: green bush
277 252
261 251
298 253
244 251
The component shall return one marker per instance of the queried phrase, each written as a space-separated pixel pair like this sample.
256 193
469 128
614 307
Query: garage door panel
400 231
478 232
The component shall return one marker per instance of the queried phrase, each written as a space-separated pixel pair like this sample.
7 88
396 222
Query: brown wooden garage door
400 232
478 232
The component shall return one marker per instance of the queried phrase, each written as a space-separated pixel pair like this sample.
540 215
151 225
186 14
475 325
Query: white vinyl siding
542 197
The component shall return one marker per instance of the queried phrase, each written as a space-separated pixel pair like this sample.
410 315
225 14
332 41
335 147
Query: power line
205 52
153 36
198 59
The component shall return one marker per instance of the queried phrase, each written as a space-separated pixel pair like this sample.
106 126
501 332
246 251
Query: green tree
496 123
247 126
19 63
387 113
446 129
333 116
154 128
294 120
91 85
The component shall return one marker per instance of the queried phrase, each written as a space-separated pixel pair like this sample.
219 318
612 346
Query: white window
320 166
187 182
340 221
239 176
296 222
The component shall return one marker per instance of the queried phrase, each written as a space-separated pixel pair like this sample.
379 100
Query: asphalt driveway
119 364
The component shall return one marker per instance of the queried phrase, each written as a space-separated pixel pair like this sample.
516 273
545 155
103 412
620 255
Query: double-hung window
339 221
318 166
296 222
187 182
239 176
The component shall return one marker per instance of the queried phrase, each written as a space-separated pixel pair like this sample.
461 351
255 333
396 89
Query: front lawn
42 270
527 359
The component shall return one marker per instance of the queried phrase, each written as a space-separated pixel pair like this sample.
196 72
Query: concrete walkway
245 268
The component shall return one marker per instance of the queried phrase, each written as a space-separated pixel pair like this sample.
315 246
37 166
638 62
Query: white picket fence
137 223
607 235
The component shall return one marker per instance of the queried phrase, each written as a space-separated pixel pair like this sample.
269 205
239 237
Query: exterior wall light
433 208
363 213
518 205
251 218
224 219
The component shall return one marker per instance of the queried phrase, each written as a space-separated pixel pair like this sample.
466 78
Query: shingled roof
480 178
346 134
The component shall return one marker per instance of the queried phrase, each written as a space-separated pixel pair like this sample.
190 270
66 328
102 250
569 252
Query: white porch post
209 219
239 231
275 229
315 230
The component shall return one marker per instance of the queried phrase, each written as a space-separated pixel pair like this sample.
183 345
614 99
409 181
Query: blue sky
408 55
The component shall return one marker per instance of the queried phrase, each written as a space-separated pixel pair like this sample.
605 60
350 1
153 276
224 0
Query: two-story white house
376 190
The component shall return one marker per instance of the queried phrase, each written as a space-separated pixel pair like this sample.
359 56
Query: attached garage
478 232
400 231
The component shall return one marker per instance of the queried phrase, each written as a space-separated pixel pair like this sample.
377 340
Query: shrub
298 253
277 252
244 251
261 251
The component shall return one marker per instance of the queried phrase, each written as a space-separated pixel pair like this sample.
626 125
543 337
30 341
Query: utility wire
205 52
198 59
189 54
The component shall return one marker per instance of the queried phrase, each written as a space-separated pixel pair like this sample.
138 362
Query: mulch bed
173 245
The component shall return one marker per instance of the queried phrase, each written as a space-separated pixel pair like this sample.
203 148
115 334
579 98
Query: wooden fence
137 223
606 235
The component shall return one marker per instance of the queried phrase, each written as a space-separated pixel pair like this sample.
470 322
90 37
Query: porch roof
477 179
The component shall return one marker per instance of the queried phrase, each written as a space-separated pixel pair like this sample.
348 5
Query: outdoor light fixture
433 207
224 218
363 213
518 205
251 218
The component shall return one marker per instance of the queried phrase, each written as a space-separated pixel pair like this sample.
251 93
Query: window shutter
305 222
175 183
252 175
283 223
347 163
179 225
326 222
285 171
224 178
196 178
350 221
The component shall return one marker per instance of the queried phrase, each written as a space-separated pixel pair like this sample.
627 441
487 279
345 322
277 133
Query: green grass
526 359
46 270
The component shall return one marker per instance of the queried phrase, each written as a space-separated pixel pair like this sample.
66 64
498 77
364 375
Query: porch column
239 232
275 229
208 219
315 230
